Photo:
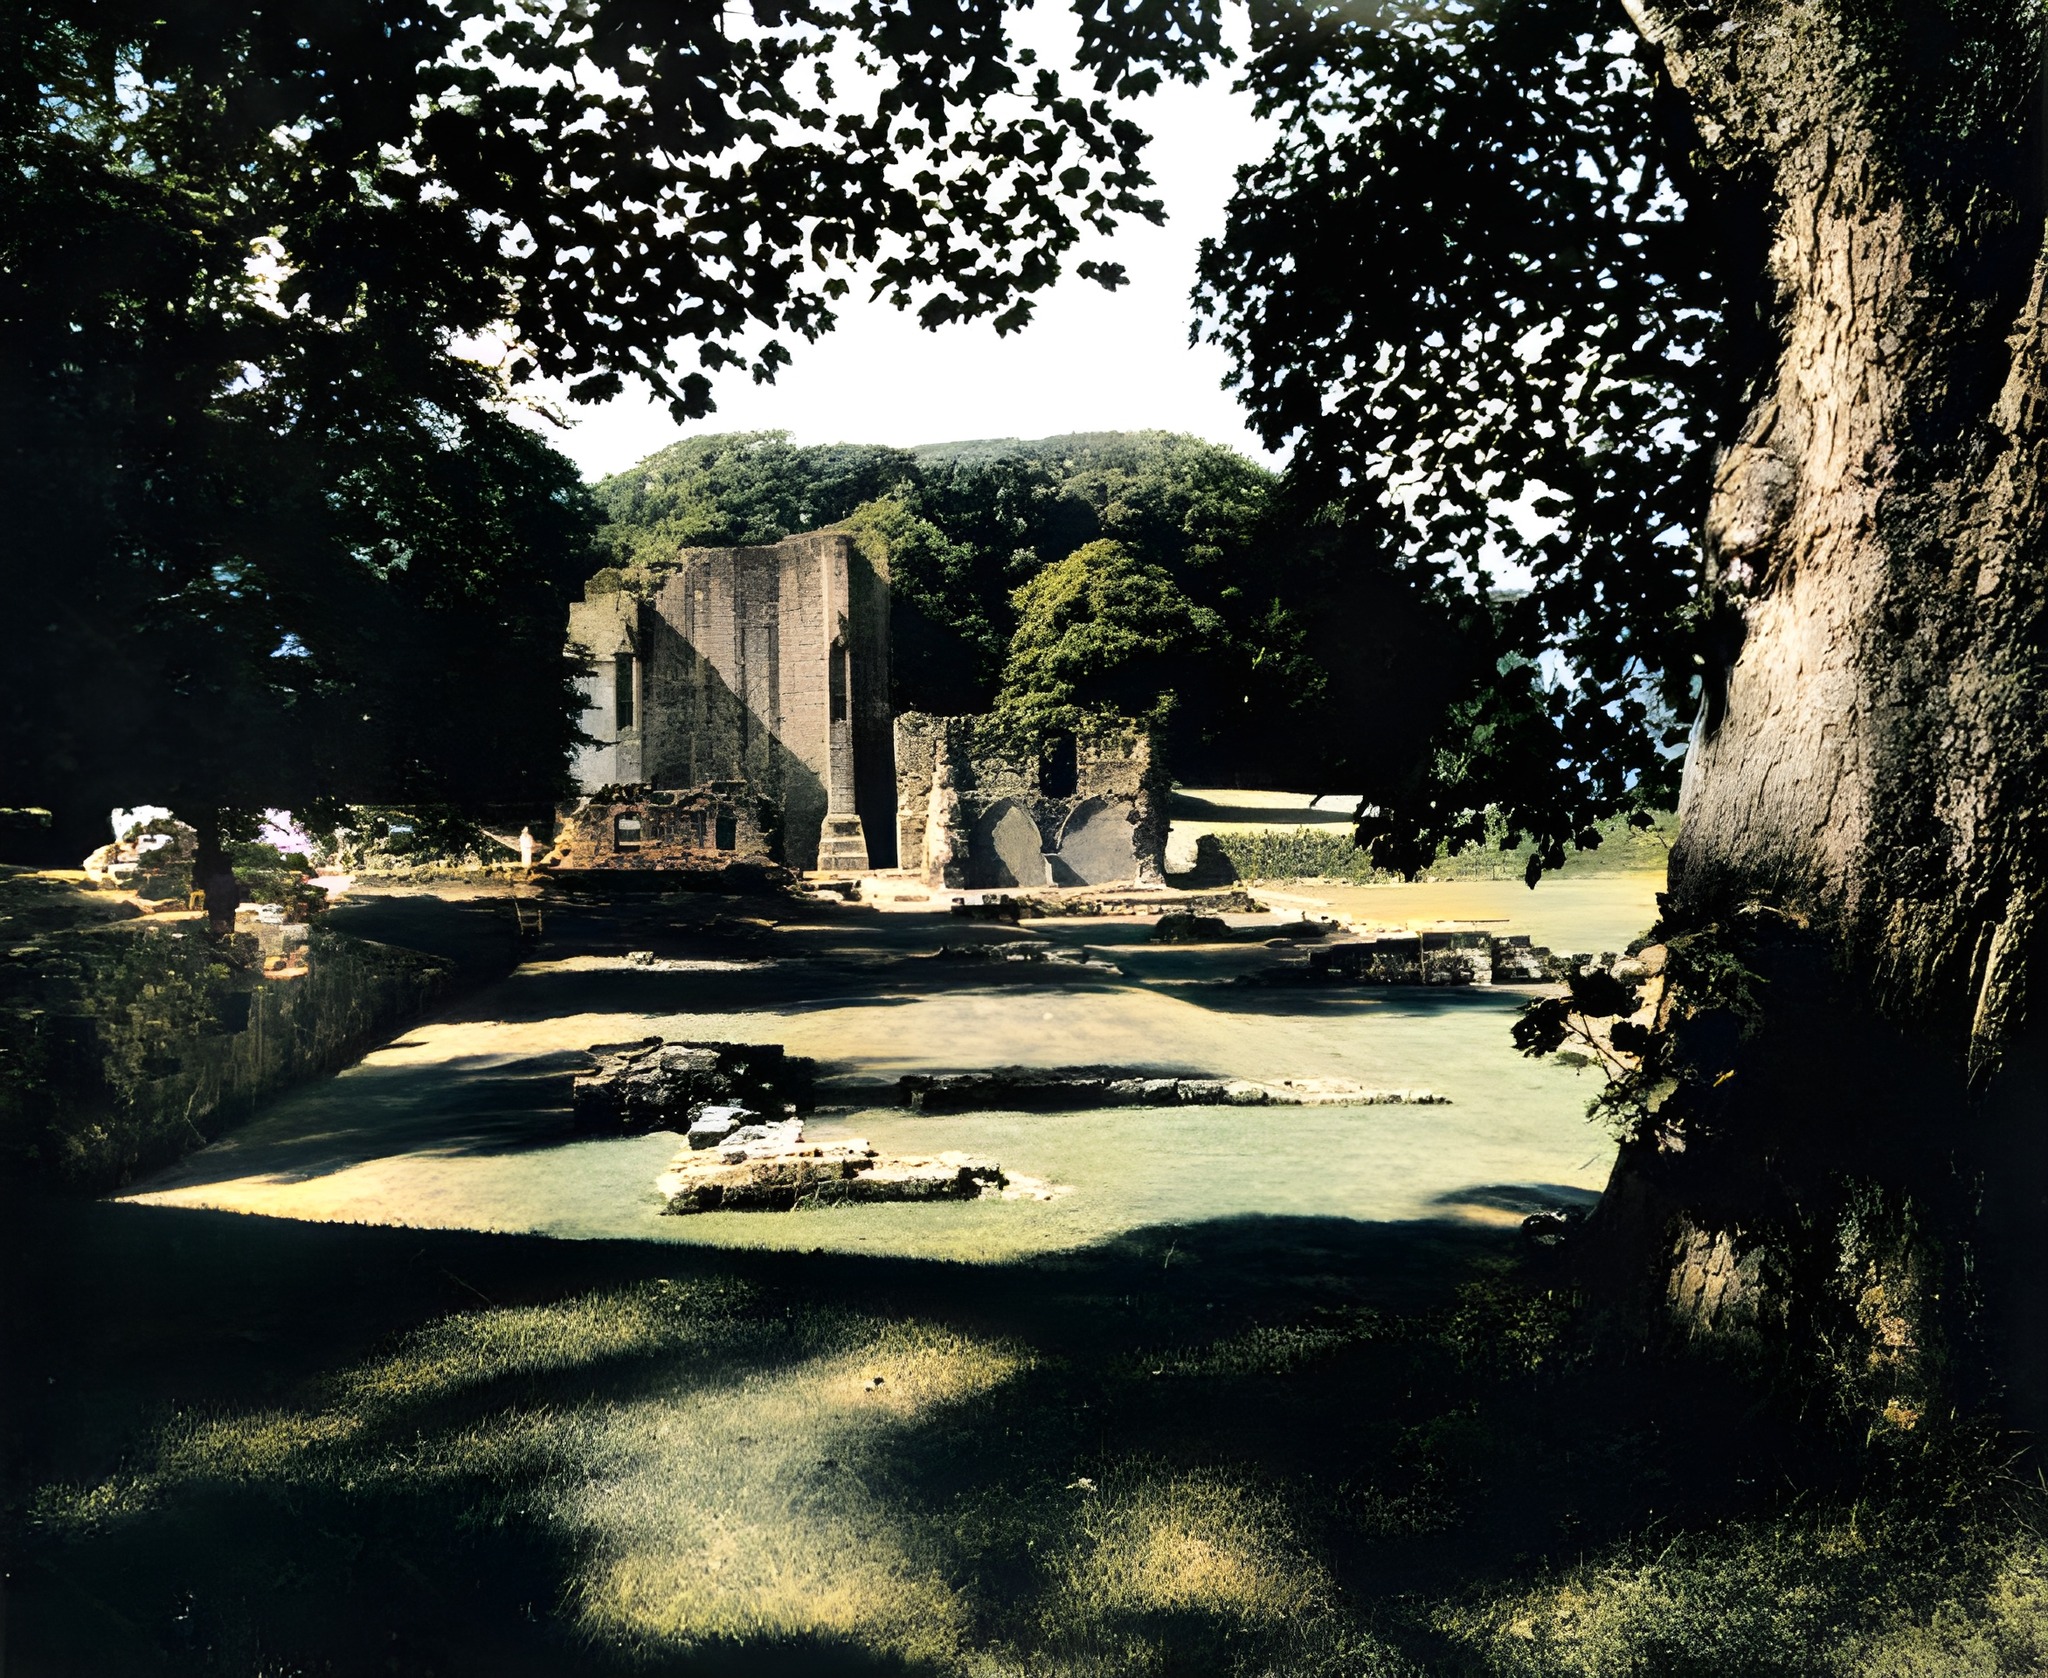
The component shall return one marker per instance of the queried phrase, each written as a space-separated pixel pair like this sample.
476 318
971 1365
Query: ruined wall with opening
642 827
974 814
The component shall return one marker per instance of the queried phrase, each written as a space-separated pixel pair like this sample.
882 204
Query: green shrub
1319 854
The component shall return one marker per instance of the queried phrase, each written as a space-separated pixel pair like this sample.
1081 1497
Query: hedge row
1320 854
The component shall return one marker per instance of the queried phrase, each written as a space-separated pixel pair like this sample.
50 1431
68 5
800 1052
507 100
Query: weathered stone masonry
974 815
643 827
742 696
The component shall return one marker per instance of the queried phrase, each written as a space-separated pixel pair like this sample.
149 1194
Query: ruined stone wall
873 735
123 1048
766 665
606 631
640 827
975 815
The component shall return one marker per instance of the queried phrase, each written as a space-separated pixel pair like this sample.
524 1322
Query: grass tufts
1257 1461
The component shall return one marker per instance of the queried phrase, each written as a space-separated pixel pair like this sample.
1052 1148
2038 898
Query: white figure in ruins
526 847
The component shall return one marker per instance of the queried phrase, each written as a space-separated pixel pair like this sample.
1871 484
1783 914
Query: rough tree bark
1860 1162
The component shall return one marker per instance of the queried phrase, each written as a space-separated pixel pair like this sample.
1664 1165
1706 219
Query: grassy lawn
1266 1394
1255 1445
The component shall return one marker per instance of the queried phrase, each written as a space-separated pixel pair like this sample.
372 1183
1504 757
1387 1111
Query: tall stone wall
973 814
765 666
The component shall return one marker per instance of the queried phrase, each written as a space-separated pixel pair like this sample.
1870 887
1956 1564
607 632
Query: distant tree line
1136 573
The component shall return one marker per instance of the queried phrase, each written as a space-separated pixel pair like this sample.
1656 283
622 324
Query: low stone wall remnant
641 829
657 1084
1428 957
124 1048
773 1167
1078 1088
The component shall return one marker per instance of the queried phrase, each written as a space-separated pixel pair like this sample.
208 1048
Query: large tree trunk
1861 1161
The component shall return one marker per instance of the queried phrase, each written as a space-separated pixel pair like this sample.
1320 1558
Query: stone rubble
1063 955
660 1085
774 1167
1068 1089
714 1125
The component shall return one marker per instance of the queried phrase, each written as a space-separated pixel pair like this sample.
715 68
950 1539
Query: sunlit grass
1158 1561
716 1468
761 1508
1892 1596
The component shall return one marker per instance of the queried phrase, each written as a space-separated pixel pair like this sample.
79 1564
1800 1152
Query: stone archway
1096 846
1006 849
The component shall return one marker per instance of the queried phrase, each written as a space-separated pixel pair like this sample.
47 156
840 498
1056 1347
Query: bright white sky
1091 360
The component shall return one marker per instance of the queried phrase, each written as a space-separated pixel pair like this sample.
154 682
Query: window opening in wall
740 687
622 690
838 681
697 829
1059 772
728 833
626 832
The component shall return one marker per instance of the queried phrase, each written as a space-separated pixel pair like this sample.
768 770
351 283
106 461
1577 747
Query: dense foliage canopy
1315 668
736 489
269 274
262 553
1481 290
1101 633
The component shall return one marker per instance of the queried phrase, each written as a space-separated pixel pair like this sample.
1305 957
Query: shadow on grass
479 934
465 1106
1522 1197
778 987
1315 1001
282 1446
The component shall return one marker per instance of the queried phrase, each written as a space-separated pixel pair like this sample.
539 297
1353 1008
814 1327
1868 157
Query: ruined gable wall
954 773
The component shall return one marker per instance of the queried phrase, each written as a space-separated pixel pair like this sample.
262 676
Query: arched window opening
839 681
622 690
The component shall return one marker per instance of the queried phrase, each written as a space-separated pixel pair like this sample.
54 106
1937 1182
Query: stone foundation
1067 1089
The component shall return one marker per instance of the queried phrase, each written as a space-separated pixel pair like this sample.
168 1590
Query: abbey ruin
737 709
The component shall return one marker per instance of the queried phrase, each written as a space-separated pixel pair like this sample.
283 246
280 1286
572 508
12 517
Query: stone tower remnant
737 703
